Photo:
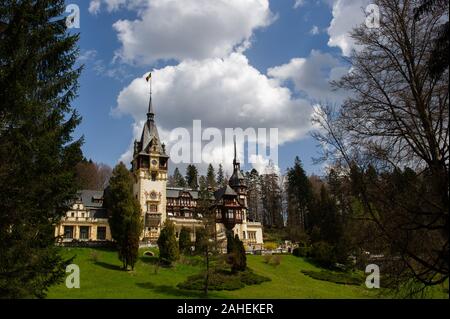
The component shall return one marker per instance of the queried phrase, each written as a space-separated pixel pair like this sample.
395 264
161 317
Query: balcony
152 219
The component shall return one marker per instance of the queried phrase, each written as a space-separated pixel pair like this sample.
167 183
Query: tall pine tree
178 179
38 81
211 178
192 176
125 215
220 176
300 196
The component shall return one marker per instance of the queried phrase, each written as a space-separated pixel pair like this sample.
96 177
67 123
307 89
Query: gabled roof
226 190
91 198
175 192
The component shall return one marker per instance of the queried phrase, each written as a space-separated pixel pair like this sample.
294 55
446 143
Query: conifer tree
192 176
211 177
178 179
38 82
167 244
184 240
300 196
125 215
220 176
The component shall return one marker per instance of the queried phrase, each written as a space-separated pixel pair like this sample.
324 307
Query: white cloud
299 3
94 6
189 29
314 30
347 14
87 56
311 75
223 93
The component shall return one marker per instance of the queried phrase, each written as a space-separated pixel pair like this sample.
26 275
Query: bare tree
397 117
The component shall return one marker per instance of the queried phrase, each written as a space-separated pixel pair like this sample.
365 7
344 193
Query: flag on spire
149 76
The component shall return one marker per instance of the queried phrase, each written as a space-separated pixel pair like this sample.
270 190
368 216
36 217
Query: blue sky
289 51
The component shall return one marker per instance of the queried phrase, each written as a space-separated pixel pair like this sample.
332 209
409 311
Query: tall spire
150 112
234 141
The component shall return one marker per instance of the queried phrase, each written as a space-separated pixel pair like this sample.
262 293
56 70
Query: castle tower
237 180
150 166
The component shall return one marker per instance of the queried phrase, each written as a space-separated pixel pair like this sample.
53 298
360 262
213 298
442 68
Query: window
84 232
152 208
153 176
72 214
101 232
68 232
252 236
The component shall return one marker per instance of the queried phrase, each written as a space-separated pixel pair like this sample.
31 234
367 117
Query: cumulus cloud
223 93
94 6
312 75
189 29
298 3
347 14
314 30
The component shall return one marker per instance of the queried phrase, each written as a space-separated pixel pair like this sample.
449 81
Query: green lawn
104 279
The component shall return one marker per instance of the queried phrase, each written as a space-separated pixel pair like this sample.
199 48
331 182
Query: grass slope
103 278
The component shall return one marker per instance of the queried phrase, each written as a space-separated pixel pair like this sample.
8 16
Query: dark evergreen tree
299 193
184 240
202 183
211 178
201 241
125 214
167 244
38 81
236 256
220 176
178 179
192 176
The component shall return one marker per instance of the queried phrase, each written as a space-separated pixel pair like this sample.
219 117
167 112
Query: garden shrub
323 253
222 279
336 277
301 252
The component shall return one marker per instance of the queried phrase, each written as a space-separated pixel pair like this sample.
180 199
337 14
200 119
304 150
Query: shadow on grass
151 260
108 266
172 291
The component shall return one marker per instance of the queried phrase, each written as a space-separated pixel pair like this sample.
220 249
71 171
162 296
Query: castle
88 221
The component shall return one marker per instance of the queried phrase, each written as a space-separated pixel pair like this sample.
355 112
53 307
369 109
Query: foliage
220 176
270 245
184 240
301 252
271 197
276 260
299 196
192 176
177 180
125 215
167 244
397 117
323 253
92 175
338 278
201 241
38 82
211 178
236 256
223 280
